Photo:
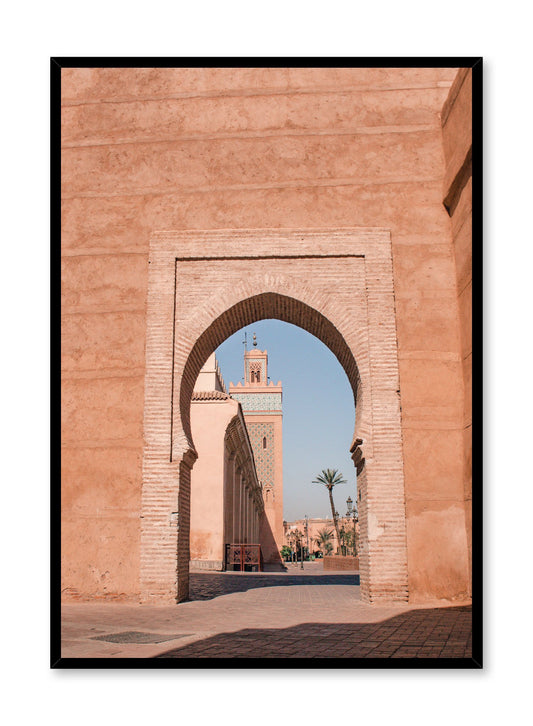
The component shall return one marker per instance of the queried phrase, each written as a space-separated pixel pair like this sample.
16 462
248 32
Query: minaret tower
261 403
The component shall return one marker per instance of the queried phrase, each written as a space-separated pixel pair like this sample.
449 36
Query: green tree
286 552
323 540
350 540
330 478
343 540
295 539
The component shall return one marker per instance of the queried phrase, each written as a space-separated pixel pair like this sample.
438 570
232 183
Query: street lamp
293 547
352 512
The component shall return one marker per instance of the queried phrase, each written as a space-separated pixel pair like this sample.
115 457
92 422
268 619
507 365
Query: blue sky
318 412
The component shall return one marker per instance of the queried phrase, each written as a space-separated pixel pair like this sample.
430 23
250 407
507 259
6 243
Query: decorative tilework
258 401
264 458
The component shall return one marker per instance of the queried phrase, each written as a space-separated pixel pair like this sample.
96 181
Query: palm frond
329 478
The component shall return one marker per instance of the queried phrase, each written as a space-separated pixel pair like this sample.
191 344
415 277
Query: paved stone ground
206 586
295 614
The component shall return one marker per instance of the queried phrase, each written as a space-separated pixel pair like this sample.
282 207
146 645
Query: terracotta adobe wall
341 563
178 149
457 192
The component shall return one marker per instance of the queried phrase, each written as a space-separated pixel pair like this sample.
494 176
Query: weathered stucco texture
457 140
179 149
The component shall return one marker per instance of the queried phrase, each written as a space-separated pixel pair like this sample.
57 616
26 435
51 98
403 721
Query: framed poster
266 311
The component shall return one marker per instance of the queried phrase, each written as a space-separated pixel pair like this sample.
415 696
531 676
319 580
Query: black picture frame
57 64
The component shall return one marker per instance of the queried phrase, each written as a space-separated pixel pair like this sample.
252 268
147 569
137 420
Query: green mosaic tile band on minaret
251 402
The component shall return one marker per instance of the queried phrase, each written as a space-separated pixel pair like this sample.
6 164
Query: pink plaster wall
209 423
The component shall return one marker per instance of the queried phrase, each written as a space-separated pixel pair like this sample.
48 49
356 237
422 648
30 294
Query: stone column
242 514
245 515
241 509
237 504
249 523
228 499
244 495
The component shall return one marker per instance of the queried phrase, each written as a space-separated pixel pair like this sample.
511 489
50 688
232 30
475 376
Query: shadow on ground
204 586
434 633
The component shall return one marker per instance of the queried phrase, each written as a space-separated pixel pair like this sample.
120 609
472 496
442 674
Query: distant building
311 527
226 499
261 403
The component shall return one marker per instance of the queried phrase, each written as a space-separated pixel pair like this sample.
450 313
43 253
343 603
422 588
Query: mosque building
261 402
237 481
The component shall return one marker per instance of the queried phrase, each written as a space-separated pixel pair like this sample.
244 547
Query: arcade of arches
366 246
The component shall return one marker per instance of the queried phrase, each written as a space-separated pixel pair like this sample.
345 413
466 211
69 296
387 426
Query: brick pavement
295 614
436 633
206 586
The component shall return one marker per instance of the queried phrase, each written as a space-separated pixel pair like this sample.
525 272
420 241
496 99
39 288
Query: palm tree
323 540
330 478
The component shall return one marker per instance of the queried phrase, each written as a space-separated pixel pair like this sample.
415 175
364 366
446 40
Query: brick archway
267 305
206 285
